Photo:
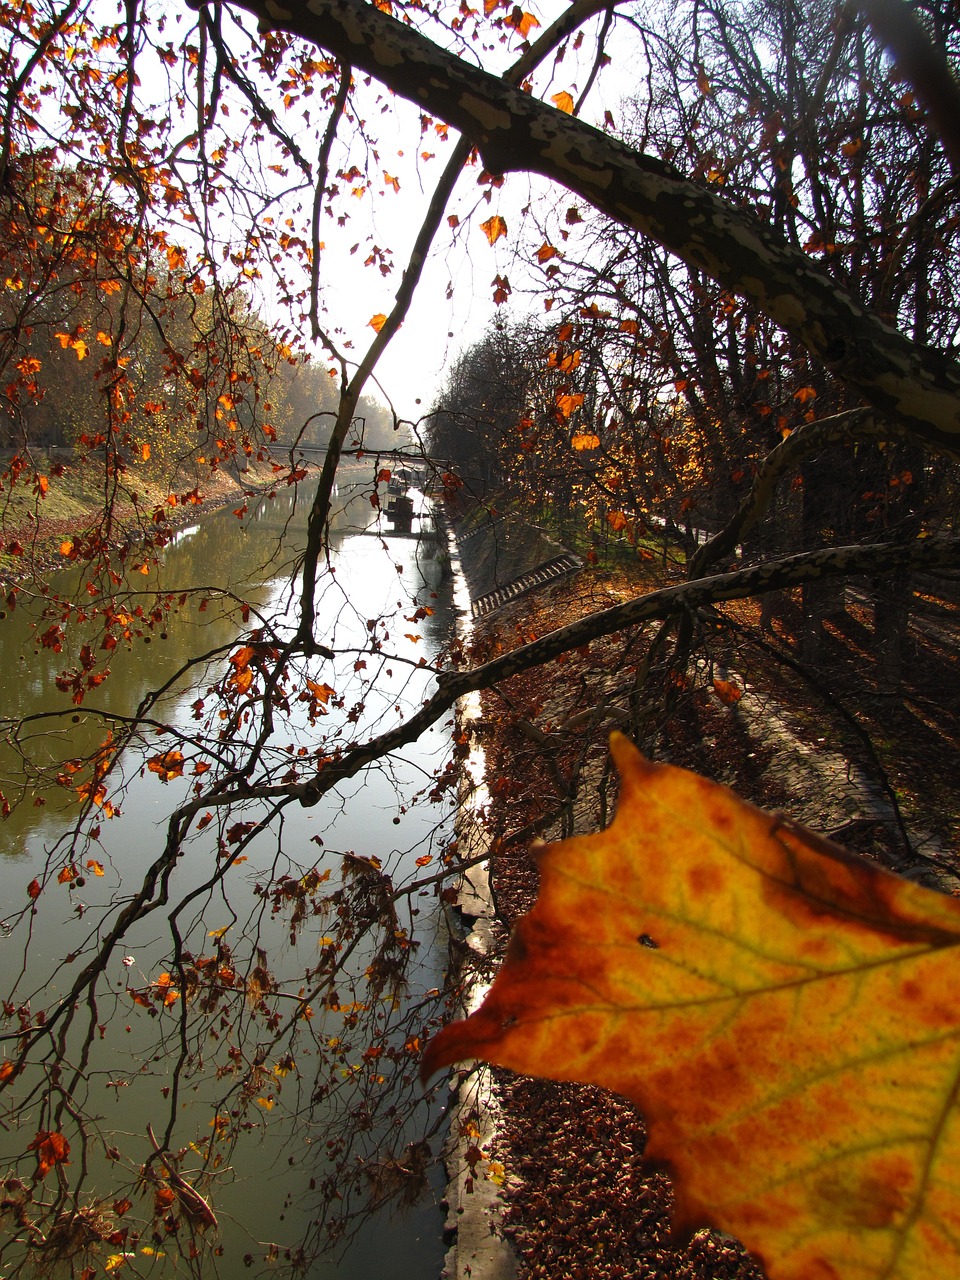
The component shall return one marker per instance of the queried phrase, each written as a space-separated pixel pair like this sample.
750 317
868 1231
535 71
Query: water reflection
377 586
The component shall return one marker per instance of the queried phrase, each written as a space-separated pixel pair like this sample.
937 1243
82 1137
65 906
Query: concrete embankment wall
501 551
477 1249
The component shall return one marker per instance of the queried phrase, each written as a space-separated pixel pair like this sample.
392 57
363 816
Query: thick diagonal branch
514 131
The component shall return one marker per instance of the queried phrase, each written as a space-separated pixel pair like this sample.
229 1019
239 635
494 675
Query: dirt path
579 1201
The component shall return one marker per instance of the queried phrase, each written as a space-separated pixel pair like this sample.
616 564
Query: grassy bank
52 504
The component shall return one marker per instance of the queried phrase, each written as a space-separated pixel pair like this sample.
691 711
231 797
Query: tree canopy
740 350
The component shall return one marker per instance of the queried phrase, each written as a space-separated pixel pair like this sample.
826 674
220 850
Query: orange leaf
727 692
494 228
546 252
51 1149
378 321
166 766
805 394
703 82
521 21
567 404
563 102
34 890
786 1016
629 326
95 866
616 520
163 1198
585 440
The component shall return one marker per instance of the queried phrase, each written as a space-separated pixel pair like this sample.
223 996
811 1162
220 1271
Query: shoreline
31 533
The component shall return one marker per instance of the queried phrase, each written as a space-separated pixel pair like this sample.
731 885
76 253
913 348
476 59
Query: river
265 1201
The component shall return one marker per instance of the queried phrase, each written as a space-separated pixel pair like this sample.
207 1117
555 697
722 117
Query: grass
43 508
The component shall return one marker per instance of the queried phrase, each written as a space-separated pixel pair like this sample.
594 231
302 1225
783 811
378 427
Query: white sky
438 328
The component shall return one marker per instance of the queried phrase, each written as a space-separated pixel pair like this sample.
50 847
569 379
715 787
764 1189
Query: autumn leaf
546 252
494 228
51 1149
727 692
566 362
786 1016
167 766
563 102
377 322
568 404
521 21
163 1198
585 440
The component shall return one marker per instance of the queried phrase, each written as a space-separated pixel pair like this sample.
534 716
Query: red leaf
51 1149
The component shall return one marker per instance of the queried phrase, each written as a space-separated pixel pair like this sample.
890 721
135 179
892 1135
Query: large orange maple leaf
786 1016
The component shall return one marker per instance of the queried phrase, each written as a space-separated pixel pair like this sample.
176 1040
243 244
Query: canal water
394 588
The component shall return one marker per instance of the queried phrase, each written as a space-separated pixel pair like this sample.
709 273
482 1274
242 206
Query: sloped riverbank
577 1200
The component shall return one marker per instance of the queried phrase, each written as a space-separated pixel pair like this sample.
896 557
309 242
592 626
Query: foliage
784 1015
175 187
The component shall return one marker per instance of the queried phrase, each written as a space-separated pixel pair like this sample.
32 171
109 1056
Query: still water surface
371 815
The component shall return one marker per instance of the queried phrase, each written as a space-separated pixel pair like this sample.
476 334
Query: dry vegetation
580 1202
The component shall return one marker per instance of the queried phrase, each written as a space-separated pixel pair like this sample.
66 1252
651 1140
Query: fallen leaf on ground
786 1015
